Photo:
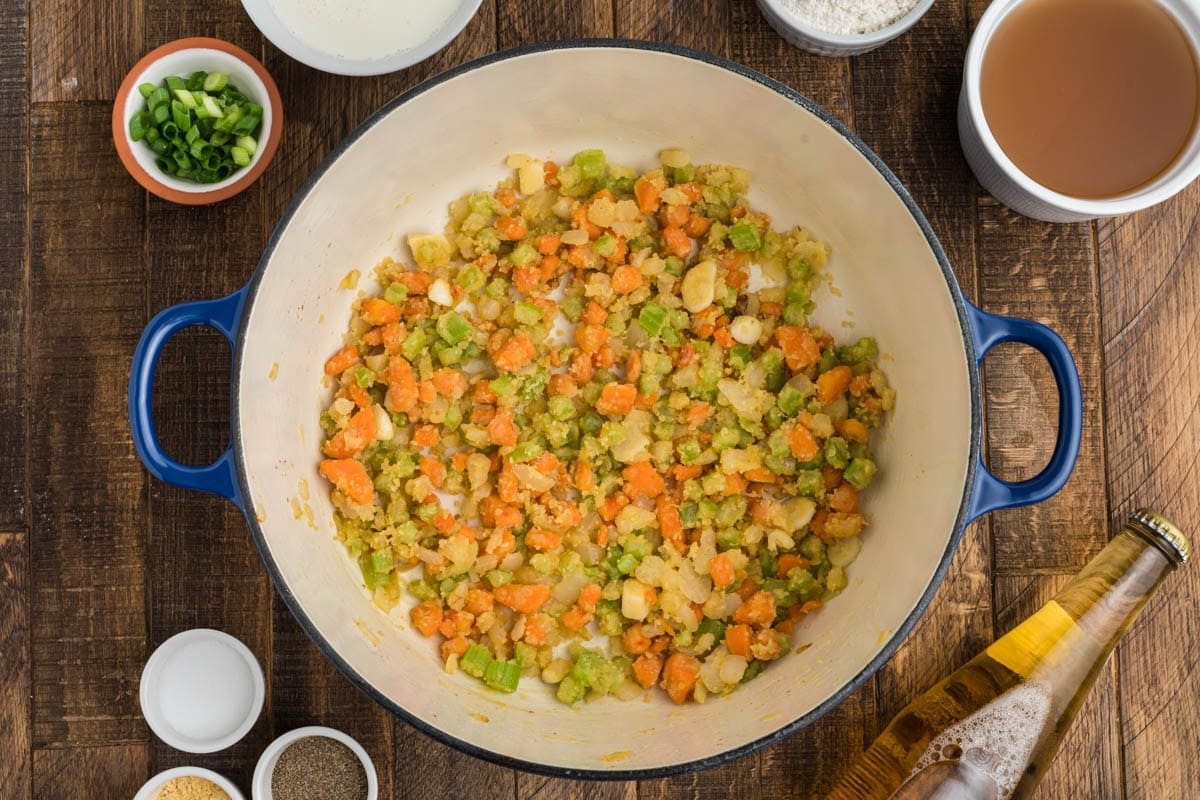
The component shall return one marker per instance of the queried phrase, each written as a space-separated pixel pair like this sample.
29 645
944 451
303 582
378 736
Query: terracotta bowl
183 57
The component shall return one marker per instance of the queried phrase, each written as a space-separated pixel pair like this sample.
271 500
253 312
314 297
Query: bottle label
1027 646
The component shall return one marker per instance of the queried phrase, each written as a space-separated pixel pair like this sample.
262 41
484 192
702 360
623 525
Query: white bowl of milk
360 37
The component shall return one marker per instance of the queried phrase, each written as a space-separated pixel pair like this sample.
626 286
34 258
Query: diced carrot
581 367
427 617
456 646
579 219
677 215
585 479
550 266
425 392
524 597
444 521
515 353
770 309
746 588
626 279
392 336
547 463
799 347
535 631
683 472
352 439
594 313
669 522
482 393
589 596
691 189
603 358
758 609
803 444
737 278
501 429
550 173
507 516
602 535
350 477
633 366
831 476
643 478
612 506
860 385
590 338
402 385
761 475
648 192
697 412
459 460
679 676
479 600
676 241
788 562
723 337
450 383
721 570
575 618
737 639
415 282
646 669
507 197
844 499
378 311
817 524
853 430
342 360
425 436
796 612
634 640
735 483
526 279
832 384
373 337
542 541
548 243
511 229
359 395
434 470
697 225
507 487
616 398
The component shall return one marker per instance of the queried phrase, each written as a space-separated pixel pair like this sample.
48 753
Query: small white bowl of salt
842 27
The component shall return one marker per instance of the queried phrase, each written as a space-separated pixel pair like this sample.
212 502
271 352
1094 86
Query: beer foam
998 739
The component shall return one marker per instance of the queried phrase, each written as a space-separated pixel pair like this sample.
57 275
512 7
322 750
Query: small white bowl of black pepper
315 763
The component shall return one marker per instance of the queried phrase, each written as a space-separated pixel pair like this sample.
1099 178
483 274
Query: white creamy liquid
364 30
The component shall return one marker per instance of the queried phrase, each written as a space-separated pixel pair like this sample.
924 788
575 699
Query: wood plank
16 751
699 24
85 773
14 284
1088 763
739 779
81 50
427 770
519 22
1151 334
537 787
88 308
824 80
208 572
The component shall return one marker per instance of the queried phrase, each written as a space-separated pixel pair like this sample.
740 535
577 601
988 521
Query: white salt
364 30
849 17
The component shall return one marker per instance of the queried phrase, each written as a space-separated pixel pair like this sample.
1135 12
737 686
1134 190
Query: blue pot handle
991 493
223 315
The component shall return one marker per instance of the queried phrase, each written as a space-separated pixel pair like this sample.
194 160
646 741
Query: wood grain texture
739 779
14 130
537 787
521 22
80 50
1150 280
16 745
88 500
209 573
1088 763
698 24
90 773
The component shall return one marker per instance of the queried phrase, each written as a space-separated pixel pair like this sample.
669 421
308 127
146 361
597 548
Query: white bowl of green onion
197 121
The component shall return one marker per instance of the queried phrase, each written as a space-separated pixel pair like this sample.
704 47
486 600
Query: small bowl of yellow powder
188 783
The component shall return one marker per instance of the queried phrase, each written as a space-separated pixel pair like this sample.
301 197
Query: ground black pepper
318 768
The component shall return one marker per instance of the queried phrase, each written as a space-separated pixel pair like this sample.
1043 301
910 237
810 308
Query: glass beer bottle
990 730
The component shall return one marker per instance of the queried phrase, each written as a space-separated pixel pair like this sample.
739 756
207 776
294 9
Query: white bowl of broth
1076 109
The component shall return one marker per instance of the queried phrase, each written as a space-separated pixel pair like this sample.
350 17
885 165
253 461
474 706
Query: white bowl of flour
842 27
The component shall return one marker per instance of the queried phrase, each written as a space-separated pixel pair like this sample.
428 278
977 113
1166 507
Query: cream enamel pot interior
397 173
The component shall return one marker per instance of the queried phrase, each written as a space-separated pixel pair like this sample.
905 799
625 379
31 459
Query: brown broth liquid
1090 98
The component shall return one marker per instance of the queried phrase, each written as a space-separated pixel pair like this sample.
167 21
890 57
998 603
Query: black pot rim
717 759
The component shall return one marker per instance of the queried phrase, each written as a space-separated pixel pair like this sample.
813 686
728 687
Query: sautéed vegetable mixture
665 491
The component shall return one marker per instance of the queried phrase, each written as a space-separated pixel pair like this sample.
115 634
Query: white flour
848 17
364 29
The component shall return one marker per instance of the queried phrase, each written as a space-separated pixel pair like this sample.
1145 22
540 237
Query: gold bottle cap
1163 533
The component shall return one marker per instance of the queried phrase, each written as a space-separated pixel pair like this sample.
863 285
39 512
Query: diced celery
789 400
413 344
475 661
744 236
505 385
395 293
525 451
523 255
860 473
453 327
561 408
865 349
591 164
470 279
837 452
605 246
502 675
498 577
381 560
570 690
527 313
652 318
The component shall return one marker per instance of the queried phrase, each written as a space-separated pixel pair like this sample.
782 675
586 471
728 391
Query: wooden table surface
99 562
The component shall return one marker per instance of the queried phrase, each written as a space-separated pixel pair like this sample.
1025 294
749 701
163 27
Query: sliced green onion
192 135
169 131
160 145
247 124
199 148
242 158
215 81
147 89
185 97
224 171
174 83
195 81
248 143
182 160
140 125
219 138
180 115
161 114
211 106
166 165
